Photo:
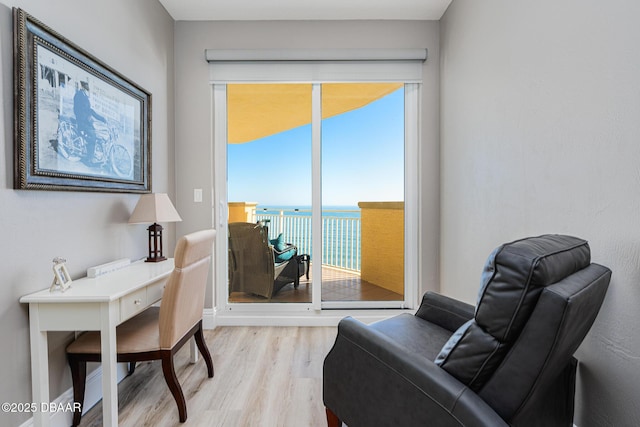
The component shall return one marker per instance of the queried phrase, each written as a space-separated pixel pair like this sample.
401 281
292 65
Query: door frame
316 312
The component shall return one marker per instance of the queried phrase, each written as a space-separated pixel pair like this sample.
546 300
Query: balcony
362 250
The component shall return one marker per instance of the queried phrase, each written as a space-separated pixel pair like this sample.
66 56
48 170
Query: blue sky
362 160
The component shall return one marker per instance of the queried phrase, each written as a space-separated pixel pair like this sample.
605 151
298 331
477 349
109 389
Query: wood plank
266 376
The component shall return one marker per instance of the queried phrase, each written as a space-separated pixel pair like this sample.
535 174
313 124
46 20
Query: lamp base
155 244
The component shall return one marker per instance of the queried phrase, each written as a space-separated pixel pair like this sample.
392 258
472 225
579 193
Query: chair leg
332 419
132 368
174 386
204 351
78 377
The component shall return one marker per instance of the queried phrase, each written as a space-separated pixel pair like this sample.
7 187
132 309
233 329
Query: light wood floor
264 376
337 285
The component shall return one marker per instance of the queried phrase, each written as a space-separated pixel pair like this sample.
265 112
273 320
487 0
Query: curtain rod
275 55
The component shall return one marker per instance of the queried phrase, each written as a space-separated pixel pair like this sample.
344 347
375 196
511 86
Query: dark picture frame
79 124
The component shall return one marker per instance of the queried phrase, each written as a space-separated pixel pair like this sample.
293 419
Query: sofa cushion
512 281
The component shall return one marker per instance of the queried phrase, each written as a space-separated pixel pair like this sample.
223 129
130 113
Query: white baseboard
209 318
326 318
57 419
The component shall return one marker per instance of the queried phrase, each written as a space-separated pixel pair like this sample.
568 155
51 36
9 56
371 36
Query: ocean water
340 211
340 231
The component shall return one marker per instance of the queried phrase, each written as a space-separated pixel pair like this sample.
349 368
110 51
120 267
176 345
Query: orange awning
258 110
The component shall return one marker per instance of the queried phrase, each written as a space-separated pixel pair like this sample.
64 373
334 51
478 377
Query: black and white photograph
83 126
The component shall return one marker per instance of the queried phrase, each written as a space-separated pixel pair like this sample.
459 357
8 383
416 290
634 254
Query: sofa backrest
513 279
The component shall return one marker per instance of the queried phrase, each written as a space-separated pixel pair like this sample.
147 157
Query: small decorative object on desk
155 208
61 277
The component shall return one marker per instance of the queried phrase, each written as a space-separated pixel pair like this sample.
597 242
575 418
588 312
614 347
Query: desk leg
194 350
109 364
39 366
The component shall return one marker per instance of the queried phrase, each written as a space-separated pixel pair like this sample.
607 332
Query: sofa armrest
369 379
446 312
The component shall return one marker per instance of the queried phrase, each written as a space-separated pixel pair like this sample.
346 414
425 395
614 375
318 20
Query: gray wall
538 122
194 111
136 39
540 133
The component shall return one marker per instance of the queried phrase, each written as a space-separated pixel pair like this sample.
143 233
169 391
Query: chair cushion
137 335
279 243
284 251
514 276
286 255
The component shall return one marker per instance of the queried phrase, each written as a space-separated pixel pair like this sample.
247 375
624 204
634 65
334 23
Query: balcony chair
507 362
257 265
158 332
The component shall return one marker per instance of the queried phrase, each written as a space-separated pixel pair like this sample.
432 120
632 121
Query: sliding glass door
269 187
314 201
363 192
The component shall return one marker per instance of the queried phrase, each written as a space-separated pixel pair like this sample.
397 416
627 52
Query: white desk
97 304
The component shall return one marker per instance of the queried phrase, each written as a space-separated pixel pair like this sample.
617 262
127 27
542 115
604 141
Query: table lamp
155 208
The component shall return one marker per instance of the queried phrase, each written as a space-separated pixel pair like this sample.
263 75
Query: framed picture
62 277
79 125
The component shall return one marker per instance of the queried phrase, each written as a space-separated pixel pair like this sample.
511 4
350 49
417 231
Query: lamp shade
154 207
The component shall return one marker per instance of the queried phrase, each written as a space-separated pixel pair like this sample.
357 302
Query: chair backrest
520 279
525 384
251 263
183 298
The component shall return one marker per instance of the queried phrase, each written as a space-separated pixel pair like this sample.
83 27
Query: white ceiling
245 10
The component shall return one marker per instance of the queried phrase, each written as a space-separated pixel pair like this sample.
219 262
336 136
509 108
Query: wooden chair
158 332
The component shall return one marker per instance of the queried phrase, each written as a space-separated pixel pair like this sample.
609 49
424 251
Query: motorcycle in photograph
107 154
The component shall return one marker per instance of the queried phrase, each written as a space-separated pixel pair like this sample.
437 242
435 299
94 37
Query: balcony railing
341 234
